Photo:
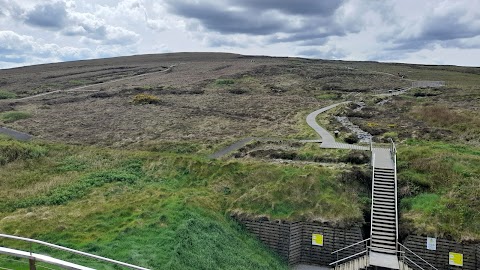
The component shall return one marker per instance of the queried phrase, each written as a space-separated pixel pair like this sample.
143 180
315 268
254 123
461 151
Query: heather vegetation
132 181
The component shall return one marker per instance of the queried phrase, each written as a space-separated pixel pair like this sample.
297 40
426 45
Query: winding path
328 141
82 88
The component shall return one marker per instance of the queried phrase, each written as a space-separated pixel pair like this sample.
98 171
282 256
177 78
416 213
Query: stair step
388 250
382 233
383 169
384 242
384 175
381 182
383 218
384 224
382 229
376 237
383 213
384 181
384 201
389 191
376 195
385 247
384 207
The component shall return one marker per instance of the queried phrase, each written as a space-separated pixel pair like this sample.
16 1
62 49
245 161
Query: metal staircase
382 249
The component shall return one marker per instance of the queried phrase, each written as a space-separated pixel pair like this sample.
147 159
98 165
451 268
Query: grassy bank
160 210
440 184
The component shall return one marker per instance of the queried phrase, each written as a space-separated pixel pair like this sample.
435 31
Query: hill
119 165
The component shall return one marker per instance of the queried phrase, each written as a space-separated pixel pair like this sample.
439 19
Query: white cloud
409 30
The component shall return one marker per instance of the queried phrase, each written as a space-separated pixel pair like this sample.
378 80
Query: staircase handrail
29 240
373 185
404 247
349 257
396 191
352 245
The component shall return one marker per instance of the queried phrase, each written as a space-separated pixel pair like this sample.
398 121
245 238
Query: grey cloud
444 30
50 15
323 54
217 18
280 20
297 7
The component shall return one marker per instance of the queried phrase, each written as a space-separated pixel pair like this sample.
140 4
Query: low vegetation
147 207
145 99
7 95
12 116
439 183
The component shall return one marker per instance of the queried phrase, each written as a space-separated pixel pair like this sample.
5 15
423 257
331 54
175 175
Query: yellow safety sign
317 239
455 259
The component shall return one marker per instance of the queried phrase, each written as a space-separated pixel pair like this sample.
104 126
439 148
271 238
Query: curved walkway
328 141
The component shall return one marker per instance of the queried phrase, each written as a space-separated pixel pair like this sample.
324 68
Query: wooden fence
440 256
293 240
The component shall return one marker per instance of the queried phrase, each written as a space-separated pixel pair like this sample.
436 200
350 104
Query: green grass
7 95
12 116
162 210
439 182
224 82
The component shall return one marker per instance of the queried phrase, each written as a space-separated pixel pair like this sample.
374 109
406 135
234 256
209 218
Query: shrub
12 116
12 150
145 99
7 95
237 91
352 138
392 135
225 82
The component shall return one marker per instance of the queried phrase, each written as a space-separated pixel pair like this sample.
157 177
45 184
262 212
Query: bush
237 91
145 99
352 138
225 82
9 117
7 95
12 150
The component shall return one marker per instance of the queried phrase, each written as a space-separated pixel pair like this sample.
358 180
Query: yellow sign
317 239
455 259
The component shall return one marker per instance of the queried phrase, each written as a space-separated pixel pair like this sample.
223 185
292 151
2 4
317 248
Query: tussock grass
12 116
162 210
440 184
7 95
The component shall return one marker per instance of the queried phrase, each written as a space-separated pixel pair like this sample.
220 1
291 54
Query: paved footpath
15 134
328 141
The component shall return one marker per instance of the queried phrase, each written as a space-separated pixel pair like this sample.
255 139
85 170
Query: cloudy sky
412 31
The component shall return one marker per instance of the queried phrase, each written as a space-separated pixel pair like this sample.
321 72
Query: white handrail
346 258
416 256
373 186
396 195
352 245
72 251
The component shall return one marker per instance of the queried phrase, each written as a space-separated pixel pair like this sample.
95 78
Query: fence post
31 262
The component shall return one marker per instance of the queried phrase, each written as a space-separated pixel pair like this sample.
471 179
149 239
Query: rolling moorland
119 165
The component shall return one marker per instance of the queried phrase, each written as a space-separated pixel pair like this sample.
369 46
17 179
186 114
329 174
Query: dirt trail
83 88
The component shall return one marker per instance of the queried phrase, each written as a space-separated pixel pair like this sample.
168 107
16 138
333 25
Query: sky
408 31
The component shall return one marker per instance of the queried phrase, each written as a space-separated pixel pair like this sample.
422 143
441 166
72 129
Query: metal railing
393 152
81 253
403 257
355 255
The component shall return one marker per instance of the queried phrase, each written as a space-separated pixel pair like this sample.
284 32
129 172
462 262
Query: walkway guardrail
355 247
393 152
411 262
73 251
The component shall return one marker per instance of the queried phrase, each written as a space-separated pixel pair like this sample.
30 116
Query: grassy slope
442 186
160 210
